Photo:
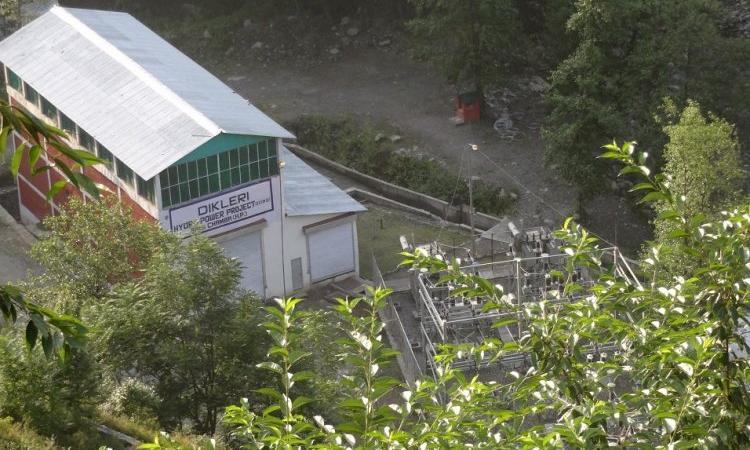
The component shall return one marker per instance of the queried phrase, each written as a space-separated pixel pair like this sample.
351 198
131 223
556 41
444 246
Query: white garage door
331 251
248 250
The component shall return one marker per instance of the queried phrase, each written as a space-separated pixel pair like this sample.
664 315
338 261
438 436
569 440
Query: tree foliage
472 41
659 364
630 56
58 333
185 328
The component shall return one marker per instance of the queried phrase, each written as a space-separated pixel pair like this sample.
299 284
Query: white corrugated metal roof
306 192
143 99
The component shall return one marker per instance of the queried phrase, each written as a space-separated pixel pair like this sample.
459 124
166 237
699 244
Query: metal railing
397 335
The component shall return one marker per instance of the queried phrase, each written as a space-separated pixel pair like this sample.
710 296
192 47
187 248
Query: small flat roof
306 192
136 94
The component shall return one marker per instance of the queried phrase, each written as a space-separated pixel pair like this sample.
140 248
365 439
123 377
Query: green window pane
184 192
224 161
68 126
244 174
254 171
174 193
165 203
213 183
145 188
30 94
124 173
234 157
253 153
192 170
173 179
103 153
85 140
202 169
182 170
49 110
15 81
273 166
236 176
194 191
271 148
226 179
263 168
164 179
203 185
262 151
213 166
243 154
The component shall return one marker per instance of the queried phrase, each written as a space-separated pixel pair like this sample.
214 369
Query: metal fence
394 328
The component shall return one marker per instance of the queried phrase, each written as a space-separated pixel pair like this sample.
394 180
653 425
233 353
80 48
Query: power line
538 197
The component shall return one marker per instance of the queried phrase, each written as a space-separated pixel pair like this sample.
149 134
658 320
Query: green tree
54 399
674 376
703 165
474 41
614 83
703 161
58 333
93 246
186 329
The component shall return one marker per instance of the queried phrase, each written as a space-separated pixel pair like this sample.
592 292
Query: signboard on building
233 207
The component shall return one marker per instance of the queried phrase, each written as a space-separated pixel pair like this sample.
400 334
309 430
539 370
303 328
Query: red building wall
33 188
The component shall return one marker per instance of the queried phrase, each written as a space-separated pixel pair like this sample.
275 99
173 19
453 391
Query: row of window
144 188
179 183
184 182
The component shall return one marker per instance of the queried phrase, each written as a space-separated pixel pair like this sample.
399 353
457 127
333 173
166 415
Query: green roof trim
220 143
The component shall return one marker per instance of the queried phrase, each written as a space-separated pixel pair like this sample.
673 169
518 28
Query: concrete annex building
182 146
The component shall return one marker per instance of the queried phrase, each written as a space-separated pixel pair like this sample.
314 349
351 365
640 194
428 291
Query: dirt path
414 98
383 85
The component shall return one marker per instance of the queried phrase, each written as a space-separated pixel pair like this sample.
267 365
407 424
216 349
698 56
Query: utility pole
473 148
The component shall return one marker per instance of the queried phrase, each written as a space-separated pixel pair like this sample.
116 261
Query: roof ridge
138 70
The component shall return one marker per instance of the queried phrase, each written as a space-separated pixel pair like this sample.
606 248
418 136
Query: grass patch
356 145
14 436
383 241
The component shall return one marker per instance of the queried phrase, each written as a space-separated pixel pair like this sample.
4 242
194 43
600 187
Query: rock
549 222
206 34
554 167
401 151
236 78
379 137
334 51
353 31
545 190
384 43
395 138
257 46
513 196
345 20
613 186
247 23
229 51
538 84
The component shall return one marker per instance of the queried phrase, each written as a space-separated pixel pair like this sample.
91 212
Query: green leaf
4 141
31 334
57 186
15 162
34 153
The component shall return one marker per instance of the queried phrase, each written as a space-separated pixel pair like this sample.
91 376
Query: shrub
353 144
